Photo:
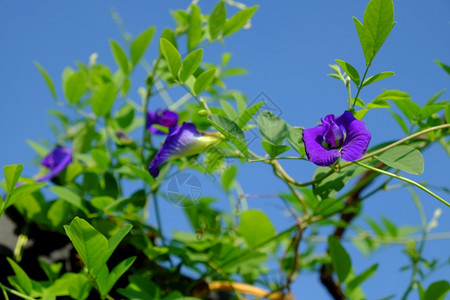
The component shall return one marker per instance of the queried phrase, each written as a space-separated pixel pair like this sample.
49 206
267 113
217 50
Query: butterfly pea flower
56 161
343 136
164 118
183 141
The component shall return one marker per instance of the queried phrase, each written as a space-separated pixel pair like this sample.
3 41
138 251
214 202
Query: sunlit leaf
404 158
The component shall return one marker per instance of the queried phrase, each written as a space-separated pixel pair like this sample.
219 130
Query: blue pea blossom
56 161
164 118
343 136
183 141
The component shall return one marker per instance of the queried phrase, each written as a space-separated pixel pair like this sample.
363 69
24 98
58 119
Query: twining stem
361 83
403 179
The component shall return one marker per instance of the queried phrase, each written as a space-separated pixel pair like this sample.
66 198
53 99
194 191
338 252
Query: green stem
14 292
199 100
399 142
404 179
22 241
158 218
361 84
418 253
349 92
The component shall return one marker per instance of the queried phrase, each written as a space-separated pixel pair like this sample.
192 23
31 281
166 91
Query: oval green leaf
404 158
120 57
140 44
103 99
238 21
340 259
204 80
190 64
231 131
217 20
256 227
172 57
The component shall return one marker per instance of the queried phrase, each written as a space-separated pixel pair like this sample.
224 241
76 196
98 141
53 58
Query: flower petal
164 118
175 144
358 137
316 153
56 161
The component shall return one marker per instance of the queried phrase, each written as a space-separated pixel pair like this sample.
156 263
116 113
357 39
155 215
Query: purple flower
183 141
56 161
164 118
343 136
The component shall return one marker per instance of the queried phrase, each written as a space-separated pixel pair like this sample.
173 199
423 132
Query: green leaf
51 270
394 95
335 182
238 21
379 20
445 67
115 240
229 109
103 99
171 56
272 128
140 288
170 36
358 280
437 290
350 70
47 79
39 149
447 113
69 196
228 177
142 174
22 277
118 271
190 64
204 80
101 158
340 259
12 175
84 137
274 150
231 131
409 108
90 244
125 116
195 27
217 20
256 227
404 158
377 77
77 286
140 44
378 23
101 202
23 191
248 113
295 139
120 56
75 86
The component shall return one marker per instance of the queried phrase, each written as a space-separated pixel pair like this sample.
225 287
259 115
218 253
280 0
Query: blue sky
287 52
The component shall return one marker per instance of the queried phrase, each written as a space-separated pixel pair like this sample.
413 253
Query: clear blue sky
287 52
